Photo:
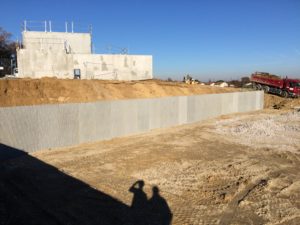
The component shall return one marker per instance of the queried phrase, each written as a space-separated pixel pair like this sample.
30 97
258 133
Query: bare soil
236 169
276 102
15 92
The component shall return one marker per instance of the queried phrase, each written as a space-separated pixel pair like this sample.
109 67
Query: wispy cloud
282 56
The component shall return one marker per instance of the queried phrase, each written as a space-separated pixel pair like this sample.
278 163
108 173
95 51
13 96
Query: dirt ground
236 169
15 92
276 102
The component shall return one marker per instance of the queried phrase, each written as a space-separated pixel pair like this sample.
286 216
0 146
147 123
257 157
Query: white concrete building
59 54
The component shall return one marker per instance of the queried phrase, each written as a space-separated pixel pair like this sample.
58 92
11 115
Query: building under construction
68 54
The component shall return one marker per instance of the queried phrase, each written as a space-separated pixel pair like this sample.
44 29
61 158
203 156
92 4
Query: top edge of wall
128 99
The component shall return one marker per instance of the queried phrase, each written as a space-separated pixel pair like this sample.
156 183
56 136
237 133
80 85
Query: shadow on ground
33 192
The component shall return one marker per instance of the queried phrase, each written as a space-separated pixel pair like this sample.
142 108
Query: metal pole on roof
66 24
50 27
72 27
45 26
25 25
90 28
92 44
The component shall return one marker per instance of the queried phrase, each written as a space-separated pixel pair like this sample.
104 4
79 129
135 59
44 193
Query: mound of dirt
277 102
17 92
274 131
51 90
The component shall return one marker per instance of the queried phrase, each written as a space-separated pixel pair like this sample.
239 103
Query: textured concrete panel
169 112
68 124
154 113
123 117
103 120
32 128
48 126
58 125
131 115
228 103
182 109
259 100
202 107
191 109
18 127
87 120
247 101
143 114
211 106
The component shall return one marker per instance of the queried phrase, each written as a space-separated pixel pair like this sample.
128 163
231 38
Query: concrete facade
33 128
57 54
76 43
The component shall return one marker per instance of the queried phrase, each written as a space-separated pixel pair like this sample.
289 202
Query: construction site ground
234 169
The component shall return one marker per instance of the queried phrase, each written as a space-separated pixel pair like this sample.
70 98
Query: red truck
274 84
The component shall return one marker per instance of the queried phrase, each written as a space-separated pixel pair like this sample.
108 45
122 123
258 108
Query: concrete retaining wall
33 128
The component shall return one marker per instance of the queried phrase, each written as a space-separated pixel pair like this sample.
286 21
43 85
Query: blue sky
209 39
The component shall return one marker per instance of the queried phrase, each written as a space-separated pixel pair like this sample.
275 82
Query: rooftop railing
50 26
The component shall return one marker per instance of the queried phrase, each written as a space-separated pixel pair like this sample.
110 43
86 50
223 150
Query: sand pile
281 132
51 90
14 92
277 102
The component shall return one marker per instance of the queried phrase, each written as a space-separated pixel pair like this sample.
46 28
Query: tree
7 49
245 80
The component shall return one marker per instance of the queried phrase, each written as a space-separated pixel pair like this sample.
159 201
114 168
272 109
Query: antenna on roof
50 27
25 25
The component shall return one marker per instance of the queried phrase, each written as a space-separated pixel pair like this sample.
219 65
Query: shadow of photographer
154 211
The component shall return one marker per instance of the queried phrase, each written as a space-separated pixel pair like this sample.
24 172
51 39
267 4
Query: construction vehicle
189 80
284 87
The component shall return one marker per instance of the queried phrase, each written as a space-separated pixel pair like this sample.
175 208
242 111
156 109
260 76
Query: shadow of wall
33 192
